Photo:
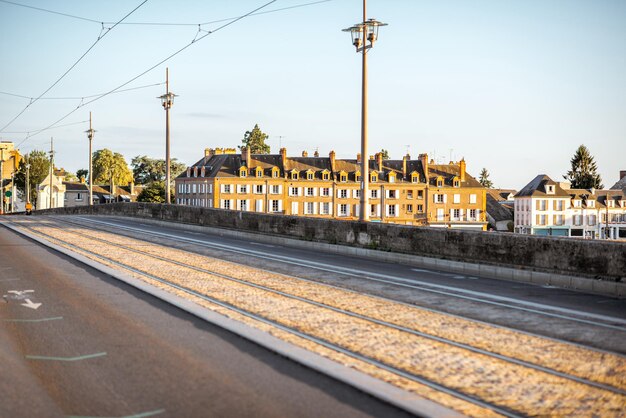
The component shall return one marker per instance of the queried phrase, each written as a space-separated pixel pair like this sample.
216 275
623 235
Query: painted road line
56 318
8 280
31 304
140 415
85 357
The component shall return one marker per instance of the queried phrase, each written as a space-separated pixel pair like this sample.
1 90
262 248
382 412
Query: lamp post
167 100
27 182
90 132
364 35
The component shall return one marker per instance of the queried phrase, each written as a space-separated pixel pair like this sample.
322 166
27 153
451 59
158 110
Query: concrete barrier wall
597 259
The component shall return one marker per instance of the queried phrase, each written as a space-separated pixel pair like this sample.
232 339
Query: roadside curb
376 388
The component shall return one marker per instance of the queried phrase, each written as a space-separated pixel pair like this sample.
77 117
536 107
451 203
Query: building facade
545 207
409 192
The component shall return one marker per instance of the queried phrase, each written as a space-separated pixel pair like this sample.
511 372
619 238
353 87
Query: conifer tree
583 174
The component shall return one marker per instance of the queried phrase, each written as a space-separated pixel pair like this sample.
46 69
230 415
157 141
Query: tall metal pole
363 215
12 191
90 133
27 178
167 138
2 181
51 168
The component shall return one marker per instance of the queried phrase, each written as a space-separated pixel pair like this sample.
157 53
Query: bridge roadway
97 347
588 320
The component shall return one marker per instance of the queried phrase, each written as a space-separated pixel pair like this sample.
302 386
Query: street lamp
363 37
27 182
90 132
167 100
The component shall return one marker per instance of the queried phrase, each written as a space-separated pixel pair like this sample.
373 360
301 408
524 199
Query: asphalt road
97 347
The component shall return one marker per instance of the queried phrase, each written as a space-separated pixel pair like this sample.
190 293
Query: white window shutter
378 210
338 208
445 198
435 198
397 210
357 210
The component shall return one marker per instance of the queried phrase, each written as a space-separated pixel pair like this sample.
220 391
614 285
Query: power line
196 39
49 11
54 127
73 65
78 97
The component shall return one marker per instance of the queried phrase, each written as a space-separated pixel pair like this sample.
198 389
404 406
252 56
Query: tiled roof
498 211
537 188
620 185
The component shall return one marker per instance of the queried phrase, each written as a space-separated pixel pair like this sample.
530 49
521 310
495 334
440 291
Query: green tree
484 179
83 172
109 166
39 170
153 193
147 170
255 139
583 174
385 154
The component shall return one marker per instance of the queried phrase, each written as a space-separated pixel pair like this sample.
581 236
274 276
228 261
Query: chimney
305 154
131 186
82 179
462 168
404 161
246 156
358 157
208 152
316 153
379 159
331 156
424 160
622 174
283 156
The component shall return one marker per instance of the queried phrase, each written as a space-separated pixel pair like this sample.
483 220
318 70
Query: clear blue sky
513 86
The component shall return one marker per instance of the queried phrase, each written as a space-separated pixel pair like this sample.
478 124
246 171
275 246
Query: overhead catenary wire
100 37
195 40
79 97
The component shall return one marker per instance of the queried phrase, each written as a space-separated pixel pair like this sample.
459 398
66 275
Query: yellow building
10 159
409 192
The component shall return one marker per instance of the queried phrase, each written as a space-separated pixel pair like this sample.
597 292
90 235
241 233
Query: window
294 208
392 178
294 175
226 204
357 193
472 214
325 175
392 194
243 205
325 191
309 191
558 205
275 188
79 196
415 178
275 173
343 209
439 182
343 193
420 208
440 214
325 208
357 177
309 175
409 208
293 191
243 188
456 214
420 194
541 219
591 203
259 173
456 183
577 203
243 172
541 204
374 193
373 210
456 198
258 189
439 198
558 220
193 188
275 205
409 194
226 188
391 210
472 198
309 208
343 178
374 178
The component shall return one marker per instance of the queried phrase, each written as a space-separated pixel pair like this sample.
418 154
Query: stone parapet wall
590 258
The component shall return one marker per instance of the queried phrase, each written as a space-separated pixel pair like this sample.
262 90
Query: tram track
492 400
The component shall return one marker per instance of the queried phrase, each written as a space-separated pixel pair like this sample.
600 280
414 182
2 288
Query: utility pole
13 191
27 178
167 100
51 168
90 133
2 181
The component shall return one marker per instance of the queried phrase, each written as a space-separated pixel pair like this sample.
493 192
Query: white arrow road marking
30 304
21 292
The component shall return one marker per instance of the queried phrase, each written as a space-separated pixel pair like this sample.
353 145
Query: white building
544 207
46 188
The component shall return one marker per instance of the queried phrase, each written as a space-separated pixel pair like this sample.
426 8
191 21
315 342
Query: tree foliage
153 193
108 166
583 174
147 170
39 170
484 179
255 139
385 154
83 172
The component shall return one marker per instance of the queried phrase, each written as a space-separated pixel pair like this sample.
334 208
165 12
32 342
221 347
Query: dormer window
439 181
373 177
325 175
343 176
275 172
357 176
259 172
577 203
415 178
550 189
294 174
591 203
309 175
392 177
610 203
243 172
456 182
